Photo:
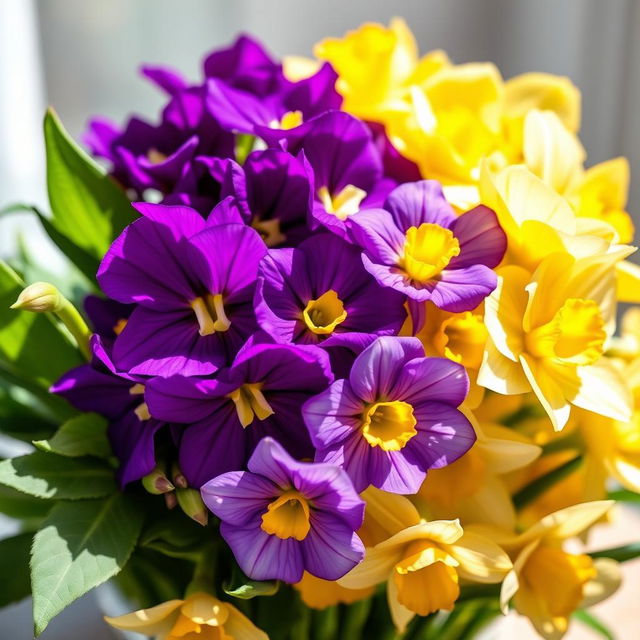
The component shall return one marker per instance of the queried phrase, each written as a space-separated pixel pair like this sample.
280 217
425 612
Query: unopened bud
39 297
170 500
157 482
178 477
193 506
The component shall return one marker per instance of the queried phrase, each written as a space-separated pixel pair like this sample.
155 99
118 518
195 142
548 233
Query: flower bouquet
335 357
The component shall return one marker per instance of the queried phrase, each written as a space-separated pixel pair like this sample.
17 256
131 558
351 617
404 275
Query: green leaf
621 554
79 546
14 559
20 416
22 506
84 435
624 495
535 489
46 475
88 208
175 536
241 586
594 624
32 345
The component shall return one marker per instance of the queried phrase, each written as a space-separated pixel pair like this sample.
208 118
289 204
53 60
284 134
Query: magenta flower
284 517
320 291
394 418
418 246
260 394
193 285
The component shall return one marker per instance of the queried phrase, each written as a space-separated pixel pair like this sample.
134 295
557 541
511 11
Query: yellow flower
377 66
460 337
547 334
472 488
424 561
548 584
320 594
198 617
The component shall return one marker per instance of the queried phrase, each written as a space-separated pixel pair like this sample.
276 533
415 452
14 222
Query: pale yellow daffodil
200 616
547 584
422 562
317 593
548 332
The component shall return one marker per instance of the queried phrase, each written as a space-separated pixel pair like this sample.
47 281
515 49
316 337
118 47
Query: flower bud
191 503
39 297
178 477
157 482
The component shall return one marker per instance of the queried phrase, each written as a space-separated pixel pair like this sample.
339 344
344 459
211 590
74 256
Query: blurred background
81 57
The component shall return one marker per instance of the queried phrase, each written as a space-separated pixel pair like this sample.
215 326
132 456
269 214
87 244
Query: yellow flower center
324 314
426 578
557 578
287 517
269 231
462 338
201 614
210 314
343 204
119 326
575 334
428 249
389 425
291 120
156 157
250 403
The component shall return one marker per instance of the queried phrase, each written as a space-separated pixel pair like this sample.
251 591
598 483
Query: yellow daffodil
548 332
377 66
423 562
199 617
472 487
547 584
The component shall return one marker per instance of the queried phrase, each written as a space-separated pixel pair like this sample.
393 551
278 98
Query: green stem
621 554
204 574
78 328
354 618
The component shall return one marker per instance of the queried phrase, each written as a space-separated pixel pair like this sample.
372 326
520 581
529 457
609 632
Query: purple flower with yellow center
193 284
272 192
394 418
292 103
260 394
283 517
319 293
345 166
418 246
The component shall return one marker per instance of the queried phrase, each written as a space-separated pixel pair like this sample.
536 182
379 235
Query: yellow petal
598 387
296 68
239 627
320 594
547 390
374 569
490 504
440 531
551 151
153 621
628 282
391 511
505 450
511 583
607 581
481 559
400 615
500 374
204 609
543 91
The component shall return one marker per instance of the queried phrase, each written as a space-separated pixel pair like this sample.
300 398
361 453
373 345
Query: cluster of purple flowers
252 330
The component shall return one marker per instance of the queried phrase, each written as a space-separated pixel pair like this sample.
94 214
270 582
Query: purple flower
145 156
345 166
193 284
272 192
419 247
246 112
260 394
283 517
394 418
319 290
118 397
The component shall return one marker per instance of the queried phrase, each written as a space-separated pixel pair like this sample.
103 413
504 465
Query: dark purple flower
272 191
246 112
394 418
345 166
119 398
284 517
418 246
193 284
259 394
320 290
